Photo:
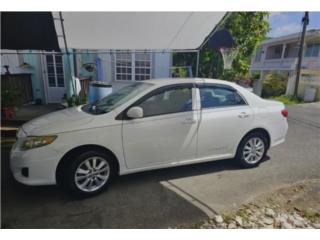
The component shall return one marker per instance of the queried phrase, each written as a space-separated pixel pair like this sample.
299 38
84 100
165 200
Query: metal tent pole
67 52
222 21
215 29
197 64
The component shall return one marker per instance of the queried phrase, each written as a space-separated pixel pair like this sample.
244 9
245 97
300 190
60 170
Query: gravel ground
294 206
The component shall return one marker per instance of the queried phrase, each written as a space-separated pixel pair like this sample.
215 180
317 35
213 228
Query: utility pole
305 21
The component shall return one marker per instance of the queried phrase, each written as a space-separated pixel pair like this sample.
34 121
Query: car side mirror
135 112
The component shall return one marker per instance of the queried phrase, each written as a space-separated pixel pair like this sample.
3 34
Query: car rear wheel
89 173
252 149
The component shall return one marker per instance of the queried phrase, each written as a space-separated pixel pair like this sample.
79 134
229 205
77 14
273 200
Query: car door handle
189 121
243 115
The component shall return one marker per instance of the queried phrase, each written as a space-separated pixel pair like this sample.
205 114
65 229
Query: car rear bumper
280 133
277 142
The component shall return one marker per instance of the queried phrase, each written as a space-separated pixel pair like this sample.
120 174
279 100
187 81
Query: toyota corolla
147 125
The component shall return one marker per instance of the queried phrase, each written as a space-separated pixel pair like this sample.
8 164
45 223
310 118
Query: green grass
288 100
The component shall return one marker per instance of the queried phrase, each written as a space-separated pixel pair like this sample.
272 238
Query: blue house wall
36 75
161 64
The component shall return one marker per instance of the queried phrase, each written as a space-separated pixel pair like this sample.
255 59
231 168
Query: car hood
66 120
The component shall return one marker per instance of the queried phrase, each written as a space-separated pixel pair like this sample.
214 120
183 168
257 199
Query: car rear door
167 132
224 119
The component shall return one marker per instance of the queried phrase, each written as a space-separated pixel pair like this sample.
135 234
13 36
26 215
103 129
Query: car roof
169 81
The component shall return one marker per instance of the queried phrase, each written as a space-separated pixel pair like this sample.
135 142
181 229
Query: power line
180 29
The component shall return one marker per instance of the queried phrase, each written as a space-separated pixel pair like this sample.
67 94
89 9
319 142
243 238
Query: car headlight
37 141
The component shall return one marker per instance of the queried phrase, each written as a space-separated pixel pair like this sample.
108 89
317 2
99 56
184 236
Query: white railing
285 63
275 64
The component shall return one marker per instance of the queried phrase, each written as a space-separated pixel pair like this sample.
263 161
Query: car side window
170 100
216 96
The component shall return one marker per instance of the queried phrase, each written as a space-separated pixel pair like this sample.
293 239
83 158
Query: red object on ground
285 112
8 112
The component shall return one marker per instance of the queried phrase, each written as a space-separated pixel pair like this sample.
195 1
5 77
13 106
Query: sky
284 23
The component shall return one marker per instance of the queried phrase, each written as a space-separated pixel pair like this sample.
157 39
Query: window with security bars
312 50
123 66
55 70
132 66
258 54
142 66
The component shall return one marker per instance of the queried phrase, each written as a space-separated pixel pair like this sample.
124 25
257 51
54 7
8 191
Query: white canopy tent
136 30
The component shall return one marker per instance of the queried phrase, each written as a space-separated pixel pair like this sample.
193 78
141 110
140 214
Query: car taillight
285 112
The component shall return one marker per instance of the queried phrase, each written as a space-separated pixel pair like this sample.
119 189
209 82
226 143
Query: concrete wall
307 82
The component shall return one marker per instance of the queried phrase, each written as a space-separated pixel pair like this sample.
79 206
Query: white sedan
147 125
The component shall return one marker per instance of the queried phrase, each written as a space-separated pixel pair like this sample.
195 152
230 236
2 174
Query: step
8 131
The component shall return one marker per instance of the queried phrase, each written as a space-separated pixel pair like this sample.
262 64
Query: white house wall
286 63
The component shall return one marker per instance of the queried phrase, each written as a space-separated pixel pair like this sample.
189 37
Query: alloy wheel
92 174
253 150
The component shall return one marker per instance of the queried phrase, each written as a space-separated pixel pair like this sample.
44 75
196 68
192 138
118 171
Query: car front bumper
35 166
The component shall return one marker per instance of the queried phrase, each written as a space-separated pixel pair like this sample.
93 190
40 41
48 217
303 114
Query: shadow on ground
132 201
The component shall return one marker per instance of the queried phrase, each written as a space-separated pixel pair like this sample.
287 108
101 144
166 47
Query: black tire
240 151
68 181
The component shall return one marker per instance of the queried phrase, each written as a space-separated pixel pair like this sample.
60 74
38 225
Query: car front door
225 118
166 133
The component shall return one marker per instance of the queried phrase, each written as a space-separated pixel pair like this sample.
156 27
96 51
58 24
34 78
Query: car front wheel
252 149
89 173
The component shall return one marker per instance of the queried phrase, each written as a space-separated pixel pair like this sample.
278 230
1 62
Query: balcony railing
275 64
285 63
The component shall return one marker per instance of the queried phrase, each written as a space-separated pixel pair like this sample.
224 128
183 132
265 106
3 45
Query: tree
248 30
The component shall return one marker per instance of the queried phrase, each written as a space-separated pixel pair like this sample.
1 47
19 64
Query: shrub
275 84
288 100
8 98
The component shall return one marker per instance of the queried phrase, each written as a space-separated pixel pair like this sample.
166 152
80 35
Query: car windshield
116 98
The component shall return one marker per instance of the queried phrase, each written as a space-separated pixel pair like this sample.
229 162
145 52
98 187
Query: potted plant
8 103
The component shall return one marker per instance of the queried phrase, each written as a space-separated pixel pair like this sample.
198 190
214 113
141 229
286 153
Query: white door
225 118
55 81
167 132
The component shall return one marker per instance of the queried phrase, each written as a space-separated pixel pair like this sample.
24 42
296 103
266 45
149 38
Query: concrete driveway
297 159
178 196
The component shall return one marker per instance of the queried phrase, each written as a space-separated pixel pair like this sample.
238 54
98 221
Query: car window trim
123 116
219 85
